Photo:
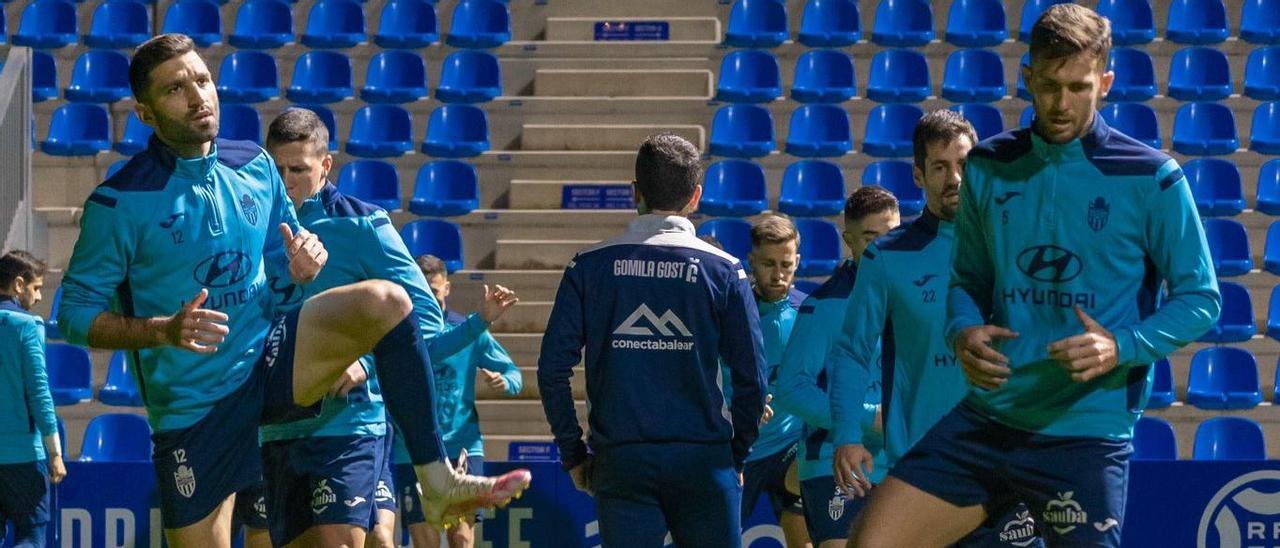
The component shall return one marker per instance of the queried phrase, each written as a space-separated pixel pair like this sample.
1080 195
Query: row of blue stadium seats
263 24
112 437
978 23
1221 377
1218 438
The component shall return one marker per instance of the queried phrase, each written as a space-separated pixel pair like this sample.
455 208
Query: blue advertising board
632 30
596 197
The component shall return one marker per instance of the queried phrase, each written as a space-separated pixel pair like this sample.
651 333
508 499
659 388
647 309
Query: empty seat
119 24
819 130
1216 187
1162 391
48 24
973 76
51 330
1229 438
320 76
1136 120
819 247
1027 117
136 135
895 176
830 24
1197 22
1132 21
456 131
824 76
70 373
977 23
121 388
748 76
248 76
1031 11
1199 74
44 77
1022 83
1153 439
733 234
1260 21
812 188
480 24
394 76
116 437
1264 137
1224 377
334 24
380 131
756 24
1205 129
78 129
112 169
899 76
1271 252
373 181
407 24
742 131
985 118
262 24
99 76
199 19
470 76
734 188
1229 246
445 188
330 123
903 23
434 237
240 123
1135 75
1269 188
1262 74
889 130
1235 322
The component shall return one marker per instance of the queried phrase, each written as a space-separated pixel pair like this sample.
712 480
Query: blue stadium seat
1022 84
1132 21
824 76
51 330
112 169
456 131
1269 188
262 24
734 235
48 24
320 76
70 373
1260 22
199 19
1229 246
470 76
248 76
1135 75
742 131
1235 323
78 129
434 237
986 118
903 23
1205 129
394 76
1153 439
748 76
819 247
445 188
889 129
119 24
974 76
1199 74
4 31
812 188
62 435
895 176
1216 187
734 188
756 24
1031 10
977 23
1271 252
136 135
99 76
1136 120
44 77
121 389
830 24
1229 438
116 437
330 122
479 24
335 24
240 123
1273 306
1224 377
1264 137
1162 391
819 130
1197 22
899 76
407 24
1262 74
380 131
373 181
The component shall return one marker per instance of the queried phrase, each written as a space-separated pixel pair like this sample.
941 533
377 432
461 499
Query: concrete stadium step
537 254
584 29
518 417
523 347
1186 418
585 137
623 83
530 389
525 317
528 194
529 285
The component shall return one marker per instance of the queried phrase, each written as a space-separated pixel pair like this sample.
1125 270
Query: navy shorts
329 480
406 484
1074 487
1015 528
251 508
768 476
384 491
24 502
828 514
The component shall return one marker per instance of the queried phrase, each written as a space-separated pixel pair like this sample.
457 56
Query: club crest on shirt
1099 211
250 209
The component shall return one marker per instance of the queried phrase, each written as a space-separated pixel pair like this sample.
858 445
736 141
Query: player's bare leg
879 524
214 530
383 534
256 538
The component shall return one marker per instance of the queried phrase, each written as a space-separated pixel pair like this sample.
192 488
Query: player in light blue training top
1066 234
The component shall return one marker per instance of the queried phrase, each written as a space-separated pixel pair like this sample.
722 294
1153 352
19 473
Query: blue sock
408 389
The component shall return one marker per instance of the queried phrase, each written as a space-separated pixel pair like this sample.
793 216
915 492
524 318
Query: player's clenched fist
305 252
196 329
982 364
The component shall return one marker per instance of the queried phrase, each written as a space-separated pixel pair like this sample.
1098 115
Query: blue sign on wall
632 30
596 197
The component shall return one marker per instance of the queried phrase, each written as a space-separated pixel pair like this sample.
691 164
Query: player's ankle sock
408 389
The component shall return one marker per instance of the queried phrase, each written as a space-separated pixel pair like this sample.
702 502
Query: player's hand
581 475
741 480
1089 355
851 465
354 377
57 469
196 329
496 302
495 380
306 254
768 411
982 365
879 424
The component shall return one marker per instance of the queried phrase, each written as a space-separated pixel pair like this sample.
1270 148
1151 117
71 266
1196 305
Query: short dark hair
668 170
1065 30
19 263
297 125
867 200
774 229
431 266
152 54
713 241
939 126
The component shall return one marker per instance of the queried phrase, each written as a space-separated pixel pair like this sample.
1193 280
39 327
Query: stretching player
1065 235
208 219
803 376
657 310
28 427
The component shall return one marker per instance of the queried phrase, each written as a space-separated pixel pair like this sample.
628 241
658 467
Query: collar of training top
660 223
10 303
186 168
1096 135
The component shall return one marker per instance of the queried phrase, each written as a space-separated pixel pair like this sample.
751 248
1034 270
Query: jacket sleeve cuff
1126 347
75 324
574 454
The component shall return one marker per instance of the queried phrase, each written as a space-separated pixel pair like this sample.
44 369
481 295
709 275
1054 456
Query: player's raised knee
382 302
